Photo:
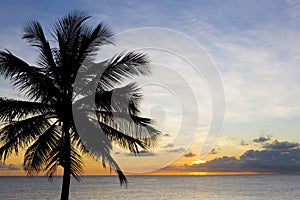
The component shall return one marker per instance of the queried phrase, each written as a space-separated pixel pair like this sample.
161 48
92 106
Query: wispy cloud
257 55
9 167
169 145
176 150
142 153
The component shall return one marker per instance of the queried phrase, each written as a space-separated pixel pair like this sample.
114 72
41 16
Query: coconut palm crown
42 122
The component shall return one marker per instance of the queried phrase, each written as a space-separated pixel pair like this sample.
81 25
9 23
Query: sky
240 56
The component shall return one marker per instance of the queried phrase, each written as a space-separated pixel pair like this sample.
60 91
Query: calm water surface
238 187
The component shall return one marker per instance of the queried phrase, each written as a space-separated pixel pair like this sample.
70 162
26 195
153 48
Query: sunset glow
198 161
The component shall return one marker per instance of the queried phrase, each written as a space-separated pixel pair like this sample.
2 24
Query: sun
198 173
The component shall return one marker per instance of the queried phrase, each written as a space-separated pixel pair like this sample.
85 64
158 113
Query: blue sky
254 45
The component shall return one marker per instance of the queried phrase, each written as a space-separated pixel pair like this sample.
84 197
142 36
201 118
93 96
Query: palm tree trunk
65 185
67 165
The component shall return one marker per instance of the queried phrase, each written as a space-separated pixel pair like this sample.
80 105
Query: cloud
281 145
262 139
189 154
244 143
9 167
169 145
252 59
142 153
282 161
177 150
246 47
213 151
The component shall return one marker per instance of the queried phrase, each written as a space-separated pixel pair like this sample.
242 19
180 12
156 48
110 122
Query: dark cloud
142 153
262 139
244 143
189 154
282 161
281 145
9 167
213 151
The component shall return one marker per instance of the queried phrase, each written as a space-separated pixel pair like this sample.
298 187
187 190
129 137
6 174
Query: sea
218 187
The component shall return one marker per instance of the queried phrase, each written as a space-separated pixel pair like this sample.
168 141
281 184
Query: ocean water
233 187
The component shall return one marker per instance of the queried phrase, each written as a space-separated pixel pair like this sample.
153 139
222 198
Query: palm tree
43 121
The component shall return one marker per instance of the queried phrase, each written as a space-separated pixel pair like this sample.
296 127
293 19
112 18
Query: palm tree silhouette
44 123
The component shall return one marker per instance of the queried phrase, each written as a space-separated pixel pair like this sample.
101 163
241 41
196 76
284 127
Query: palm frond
92 137
17 109
89 42
107 116
92 39
68 27
34 34
37 155
117 113
122 66
125 99
68 33
106 159
123 140
130 135
29 79
77 41
76 163
55 159
19 134
122 104
90 132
